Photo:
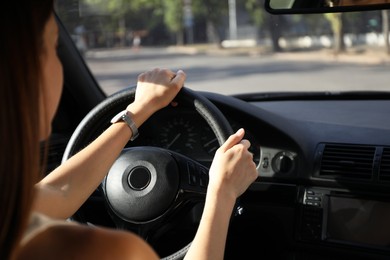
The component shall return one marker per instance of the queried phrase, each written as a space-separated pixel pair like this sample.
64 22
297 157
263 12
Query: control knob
283 162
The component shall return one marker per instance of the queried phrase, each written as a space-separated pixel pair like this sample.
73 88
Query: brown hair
21 43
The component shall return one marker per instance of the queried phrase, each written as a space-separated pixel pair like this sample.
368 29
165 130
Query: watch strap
125 117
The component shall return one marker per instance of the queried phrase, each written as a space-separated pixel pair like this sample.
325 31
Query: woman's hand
233 169
157 88
231 173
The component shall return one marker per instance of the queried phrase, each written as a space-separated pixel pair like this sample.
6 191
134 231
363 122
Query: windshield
230 46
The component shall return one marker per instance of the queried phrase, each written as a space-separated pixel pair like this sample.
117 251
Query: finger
141 77
233 140
246 143
179 78
168 73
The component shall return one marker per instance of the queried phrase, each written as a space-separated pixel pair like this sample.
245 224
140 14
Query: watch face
114 119
118 117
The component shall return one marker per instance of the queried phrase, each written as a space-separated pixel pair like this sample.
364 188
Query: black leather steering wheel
148 187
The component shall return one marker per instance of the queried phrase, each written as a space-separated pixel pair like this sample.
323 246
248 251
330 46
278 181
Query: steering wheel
147 188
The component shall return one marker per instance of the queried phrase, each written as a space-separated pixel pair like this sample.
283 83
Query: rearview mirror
323 6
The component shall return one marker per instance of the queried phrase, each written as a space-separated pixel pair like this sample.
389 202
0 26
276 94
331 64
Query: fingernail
240 131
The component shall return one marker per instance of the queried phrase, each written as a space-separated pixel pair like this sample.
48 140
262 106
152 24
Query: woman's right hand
233 168
231 173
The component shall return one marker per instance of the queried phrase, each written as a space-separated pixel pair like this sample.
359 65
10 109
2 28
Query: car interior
323 159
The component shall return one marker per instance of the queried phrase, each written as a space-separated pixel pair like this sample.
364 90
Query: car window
229 47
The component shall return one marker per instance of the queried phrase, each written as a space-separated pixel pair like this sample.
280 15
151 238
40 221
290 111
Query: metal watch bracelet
125 117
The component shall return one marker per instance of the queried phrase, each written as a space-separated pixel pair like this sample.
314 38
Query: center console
348 219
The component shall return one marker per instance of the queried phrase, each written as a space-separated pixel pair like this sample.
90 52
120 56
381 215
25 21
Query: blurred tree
385 29
213 12
274 23
69 12
336 21
117 10
173 18
257 12
126 15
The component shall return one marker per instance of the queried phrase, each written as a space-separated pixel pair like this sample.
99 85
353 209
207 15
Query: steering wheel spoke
194 176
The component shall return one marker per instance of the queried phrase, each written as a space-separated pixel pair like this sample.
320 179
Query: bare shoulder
83 242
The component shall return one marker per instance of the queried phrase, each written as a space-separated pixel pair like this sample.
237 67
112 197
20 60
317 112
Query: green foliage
212 10
173 15
256 10
117 17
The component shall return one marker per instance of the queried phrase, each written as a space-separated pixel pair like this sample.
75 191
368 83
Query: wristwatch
125 117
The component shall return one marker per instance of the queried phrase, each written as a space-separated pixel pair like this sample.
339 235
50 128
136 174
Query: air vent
347 161
384 170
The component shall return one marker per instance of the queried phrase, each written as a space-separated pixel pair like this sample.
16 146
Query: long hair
21 45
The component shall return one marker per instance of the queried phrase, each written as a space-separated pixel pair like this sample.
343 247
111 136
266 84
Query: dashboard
326 192
288 138
324 172
323 190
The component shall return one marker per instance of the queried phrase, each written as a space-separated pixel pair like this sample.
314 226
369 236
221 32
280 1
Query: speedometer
209 141
179 134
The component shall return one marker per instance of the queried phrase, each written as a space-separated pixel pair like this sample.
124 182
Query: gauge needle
209 143
173 141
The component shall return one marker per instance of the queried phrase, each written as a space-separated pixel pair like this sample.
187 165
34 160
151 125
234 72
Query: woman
32 216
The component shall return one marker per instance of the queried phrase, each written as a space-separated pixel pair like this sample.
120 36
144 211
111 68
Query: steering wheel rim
99 117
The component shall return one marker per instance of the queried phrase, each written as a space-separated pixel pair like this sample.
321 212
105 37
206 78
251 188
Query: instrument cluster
186 132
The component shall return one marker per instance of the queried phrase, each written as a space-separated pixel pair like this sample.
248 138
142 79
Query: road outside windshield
231 46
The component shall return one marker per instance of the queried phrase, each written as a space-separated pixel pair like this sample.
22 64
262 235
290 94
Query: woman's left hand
157 88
